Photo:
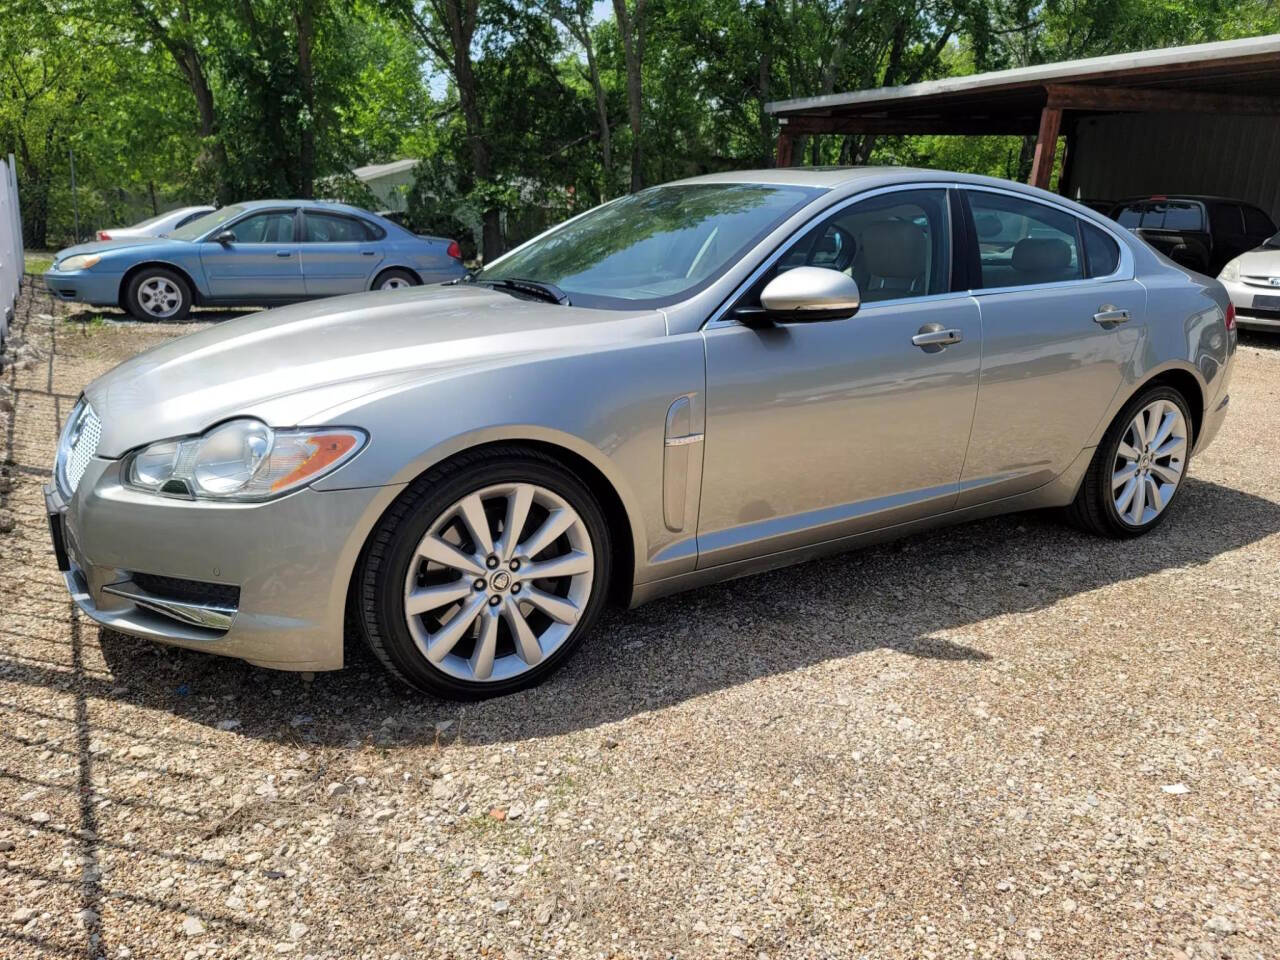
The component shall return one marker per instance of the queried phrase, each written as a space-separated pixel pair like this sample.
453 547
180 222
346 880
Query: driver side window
895 245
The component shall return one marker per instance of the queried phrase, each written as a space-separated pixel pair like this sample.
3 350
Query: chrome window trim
1125 266
718 319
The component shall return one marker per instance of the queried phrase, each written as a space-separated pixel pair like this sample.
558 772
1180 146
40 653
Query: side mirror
225 237
805 295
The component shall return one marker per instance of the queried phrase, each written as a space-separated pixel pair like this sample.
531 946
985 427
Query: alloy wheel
1150 462
394 283
159 297
498 582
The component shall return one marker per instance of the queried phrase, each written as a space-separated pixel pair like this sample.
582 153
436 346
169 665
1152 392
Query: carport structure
1197 119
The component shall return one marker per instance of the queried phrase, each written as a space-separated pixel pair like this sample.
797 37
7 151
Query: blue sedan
263 253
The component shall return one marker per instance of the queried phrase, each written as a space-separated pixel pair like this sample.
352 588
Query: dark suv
1202 233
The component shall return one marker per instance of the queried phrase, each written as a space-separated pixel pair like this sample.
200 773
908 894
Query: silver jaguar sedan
696 382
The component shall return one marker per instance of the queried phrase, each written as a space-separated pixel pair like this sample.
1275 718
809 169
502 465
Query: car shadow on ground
94 315
898 596
1263 339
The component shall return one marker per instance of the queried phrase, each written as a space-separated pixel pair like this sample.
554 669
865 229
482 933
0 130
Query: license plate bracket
1264 302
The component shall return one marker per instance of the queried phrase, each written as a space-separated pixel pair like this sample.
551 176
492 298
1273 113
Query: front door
816 431
262 263
339 254
1061 317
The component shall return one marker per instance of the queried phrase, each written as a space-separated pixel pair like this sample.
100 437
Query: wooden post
783 158
1046 147
1068 155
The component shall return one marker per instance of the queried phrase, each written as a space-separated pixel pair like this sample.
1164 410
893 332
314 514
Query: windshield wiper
537 289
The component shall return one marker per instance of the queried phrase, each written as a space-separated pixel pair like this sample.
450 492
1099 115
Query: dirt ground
1006 739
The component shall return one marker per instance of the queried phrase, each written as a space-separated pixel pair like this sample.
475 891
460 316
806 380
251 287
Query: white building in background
389 182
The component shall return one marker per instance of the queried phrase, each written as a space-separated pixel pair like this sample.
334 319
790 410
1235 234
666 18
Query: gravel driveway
1002 740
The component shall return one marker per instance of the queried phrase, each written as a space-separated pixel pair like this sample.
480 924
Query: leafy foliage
520 112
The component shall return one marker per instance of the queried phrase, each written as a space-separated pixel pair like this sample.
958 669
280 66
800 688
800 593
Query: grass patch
37 262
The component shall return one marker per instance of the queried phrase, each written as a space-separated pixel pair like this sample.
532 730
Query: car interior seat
1042 260
893 261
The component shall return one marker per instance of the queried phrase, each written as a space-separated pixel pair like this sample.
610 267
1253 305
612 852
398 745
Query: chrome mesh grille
84 444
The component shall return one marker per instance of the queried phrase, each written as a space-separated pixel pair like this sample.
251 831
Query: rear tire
395 279
1139 468
452 606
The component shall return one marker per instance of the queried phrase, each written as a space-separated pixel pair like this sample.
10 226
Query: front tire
485 575
1139 467
155 293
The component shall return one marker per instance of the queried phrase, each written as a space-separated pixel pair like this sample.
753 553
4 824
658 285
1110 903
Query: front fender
607 406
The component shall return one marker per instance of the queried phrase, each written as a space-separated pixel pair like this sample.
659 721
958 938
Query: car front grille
79 443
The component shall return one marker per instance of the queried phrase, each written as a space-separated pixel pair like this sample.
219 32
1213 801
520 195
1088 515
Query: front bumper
1251 313
85 286
291 560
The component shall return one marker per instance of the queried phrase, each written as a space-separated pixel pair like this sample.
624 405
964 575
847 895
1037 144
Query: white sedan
160 226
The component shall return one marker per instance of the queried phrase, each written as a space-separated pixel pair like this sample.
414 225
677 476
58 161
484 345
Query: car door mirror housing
809 294
225 237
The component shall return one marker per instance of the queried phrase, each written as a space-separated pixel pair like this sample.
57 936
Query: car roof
326 204
845 177
1158 197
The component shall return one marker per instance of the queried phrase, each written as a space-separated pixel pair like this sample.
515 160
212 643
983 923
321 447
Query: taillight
103 235
454 250
1231 316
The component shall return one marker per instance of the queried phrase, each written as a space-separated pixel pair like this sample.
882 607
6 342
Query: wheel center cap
500 581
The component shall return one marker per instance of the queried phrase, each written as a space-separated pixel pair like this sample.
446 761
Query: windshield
199 227
1273 242
654 247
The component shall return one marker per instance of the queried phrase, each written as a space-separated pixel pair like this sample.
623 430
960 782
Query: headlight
81 261
1231 271
242 460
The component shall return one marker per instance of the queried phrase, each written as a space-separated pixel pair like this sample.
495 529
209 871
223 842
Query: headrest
1041 255
987 225
894 248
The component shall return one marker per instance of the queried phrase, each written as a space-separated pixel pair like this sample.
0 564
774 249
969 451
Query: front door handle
936 335
1110 313
284 253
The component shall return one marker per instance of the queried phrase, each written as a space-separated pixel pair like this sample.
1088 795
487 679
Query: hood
106 246
1261 262
286 365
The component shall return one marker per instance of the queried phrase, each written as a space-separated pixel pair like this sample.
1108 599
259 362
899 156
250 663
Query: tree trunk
764 78
305 21
602 113
631 26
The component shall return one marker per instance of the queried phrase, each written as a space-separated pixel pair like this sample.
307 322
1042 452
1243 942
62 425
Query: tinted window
272 226
331 228
1101 252
894 245
1023 242
1130 216
1257 223
1180 216
657 246
1224 219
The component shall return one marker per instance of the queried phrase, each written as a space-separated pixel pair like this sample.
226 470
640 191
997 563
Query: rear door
261 264
339 253
1061 316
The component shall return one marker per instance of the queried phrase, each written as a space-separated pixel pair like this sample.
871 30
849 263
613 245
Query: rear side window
1100 251
1257 223
1022 242
1225 220
330 228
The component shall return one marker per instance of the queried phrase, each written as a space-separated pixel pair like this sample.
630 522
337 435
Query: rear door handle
937 336
1109 313
368 253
